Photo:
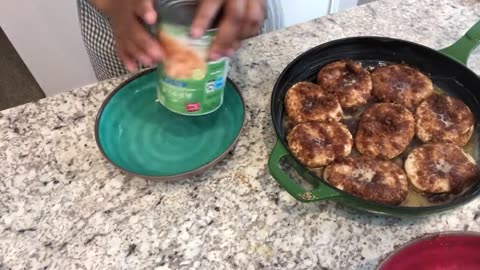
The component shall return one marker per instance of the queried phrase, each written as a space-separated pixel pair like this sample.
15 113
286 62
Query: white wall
298 11
340 5
46 34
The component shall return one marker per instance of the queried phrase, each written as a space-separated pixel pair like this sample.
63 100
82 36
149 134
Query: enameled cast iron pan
447 70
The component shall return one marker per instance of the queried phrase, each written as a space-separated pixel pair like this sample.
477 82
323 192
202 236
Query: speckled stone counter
62 206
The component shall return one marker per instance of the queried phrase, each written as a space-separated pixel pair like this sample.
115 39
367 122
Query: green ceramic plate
141 137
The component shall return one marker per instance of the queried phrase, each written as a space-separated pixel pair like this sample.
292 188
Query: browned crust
306 101
444 119
385 130
369 178
316 144
440 168
348 81
401 84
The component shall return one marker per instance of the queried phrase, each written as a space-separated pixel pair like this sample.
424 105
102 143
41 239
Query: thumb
146 11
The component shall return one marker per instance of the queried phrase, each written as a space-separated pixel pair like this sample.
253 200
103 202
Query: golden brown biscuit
306 101
316 144
385 130
440 168
369 178
444 119
348 81
402 85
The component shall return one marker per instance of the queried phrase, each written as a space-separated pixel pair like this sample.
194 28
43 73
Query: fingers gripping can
188 83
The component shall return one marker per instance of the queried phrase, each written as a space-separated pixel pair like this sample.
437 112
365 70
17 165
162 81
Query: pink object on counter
445 251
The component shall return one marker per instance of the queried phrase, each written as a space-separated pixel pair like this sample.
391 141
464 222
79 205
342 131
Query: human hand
241 19
134 45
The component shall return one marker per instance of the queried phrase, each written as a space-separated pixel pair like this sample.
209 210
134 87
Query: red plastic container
442 251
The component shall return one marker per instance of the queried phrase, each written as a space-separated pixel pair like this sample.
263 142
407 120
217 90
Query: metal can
188 83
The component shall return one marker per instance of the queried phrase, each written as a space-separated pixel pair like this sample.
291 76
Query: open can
188 83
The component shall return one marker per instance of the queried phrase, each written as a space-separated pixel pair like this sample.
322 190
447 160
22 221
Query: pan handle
461 49
322 192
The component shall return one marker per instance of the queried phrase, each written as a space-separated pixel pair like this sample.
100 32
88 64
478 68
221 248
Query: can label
187 83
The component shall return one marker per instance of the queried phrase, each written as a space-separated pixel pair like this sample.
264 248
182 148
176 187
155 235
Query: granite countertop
63 206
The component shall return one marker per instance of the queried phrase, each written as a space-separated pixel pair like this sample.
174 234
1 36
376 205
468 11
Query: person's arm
132 41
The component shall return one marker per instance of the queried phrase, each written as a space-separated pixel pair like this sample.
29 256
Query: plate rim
175 177
383 261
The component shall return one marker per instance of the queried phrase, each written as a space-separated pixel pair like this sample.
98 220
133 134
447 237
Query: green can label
187 83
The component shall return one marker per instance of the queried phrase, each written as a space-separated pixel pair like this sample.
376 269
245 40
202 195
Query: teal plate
141 137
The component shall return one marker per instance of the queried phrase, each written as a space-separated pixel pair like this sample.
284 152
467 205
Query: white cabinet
298 11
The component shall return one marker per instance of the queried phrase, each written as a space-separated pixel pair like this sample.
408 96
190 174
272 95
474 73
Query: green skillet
447 69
